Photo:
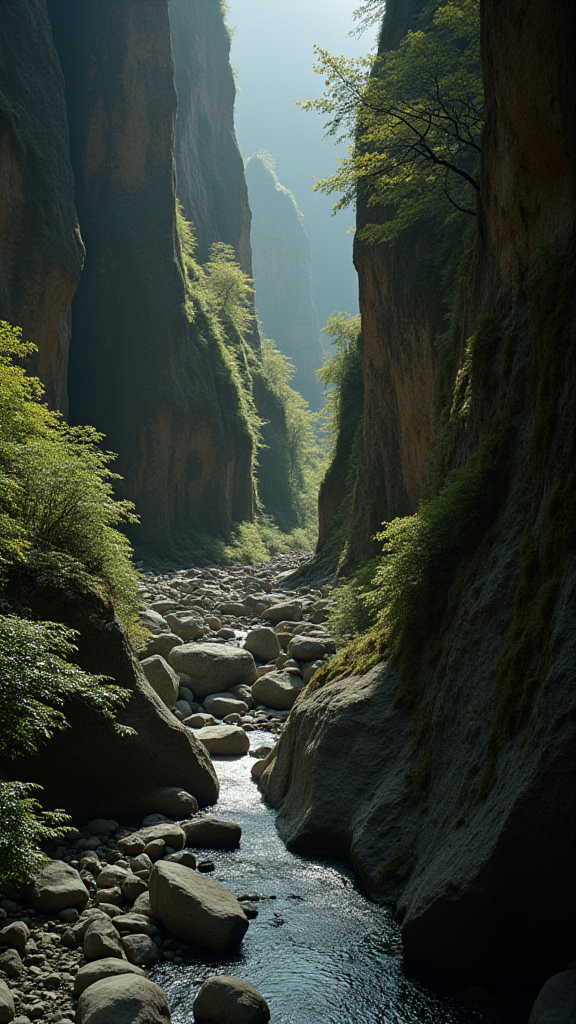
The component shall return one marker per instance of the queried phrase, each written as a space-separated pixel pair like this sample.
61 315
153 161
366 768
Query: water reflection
319 951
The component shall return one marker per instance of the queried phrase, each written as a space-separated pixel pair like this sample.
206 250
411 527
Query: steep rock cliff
41 252
158 386
459 803
210 171
282 276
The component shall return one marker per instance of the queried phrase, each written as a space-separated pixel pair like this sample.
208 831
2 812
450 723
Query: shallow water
320 952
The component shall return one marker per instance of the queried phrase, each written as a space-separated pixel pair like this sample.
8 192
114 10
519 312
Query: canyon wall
41 252
456 799
282 276
156 384
210 171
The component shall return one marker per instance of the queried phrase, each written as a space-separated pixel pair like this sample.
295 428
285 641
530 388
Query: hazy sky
273 52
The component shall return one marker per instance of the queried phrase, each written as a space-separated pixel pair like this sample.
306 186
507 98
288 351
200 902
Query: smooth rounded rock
125 999
310 670
110 967
195 908
182 857
7 1009
277 690
56 886
140 949
212 832
187 627
263 643
213 667
173 801
153 621
111 876
15 935
102 940
228 1000
556 1001
290 611
162 644
162 679
224 739
221 705
199 720
306 650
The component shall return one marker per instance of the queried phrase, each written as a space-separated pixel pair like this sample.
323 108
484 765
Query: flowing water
319 950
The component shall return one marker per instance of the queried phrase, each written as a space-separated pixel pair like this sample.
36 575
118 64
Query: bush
23 826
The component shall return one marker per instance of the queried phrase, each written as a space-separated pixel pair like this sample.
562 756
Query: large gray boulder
290 611
7 1009
173 801
222 704
162 644
125 999
162 679
153 621
89 768
304 649
212 832
133 845
263 643
213 667
556 1001
187 627
102 940
224 739
227 1000
110 967
277 690
55 887
196 908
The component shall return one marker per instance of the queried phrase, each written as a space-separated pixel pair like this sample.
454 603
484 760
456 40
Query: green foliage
416 116
339 367
56 487
23 826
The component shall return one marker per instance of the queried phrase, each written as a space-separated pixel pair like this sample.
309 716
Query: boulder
306 650
212 832
310 670
263 643
127 998
290 611
7 1009
79 930
213 667
199 720
133 845
258 768
226 633
195 908
187 627
162 679
102 827
111 876
15 935
140 949
277 690
172 801
244 693
155 849
102 940
233 608
556 1001
222 704
161 644
10 963
55 887
226 1000
110 897
224 739
132 887
153 621
142 905
110 967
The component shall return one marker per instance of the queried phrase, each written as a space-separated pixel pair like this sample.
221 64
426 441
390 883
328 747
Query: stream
319 951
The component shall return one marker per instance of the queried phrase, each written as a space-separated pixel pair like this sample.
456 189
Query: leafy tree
416 116
344 363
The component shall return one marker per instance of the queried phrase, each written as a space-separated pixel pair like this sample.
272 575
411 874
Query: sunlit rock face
138 370
282 275
41 252
210 170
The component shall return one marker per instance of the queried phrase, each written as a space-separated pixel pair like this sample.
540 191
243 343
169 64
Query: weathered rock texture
282 276
41 252
463 808
91 770
154 383
210 171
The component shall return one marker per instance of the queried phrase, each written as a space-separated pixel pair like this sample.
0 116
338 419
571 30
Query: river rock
7 1009
55 887
195 908
306 650
258 768
224 739
135 923
263 643
102 827
140 949
110 897
244 693
226 633
556 1001
290 611
310 670
199 720
109 967
133 886
161 644
128 998
277 690
172 801
227 1000
102 940
212 832
222 704
134 845
182 857
15 935
153 621
11 963
142 905
162 679
233 608
111 876
187 627
213 667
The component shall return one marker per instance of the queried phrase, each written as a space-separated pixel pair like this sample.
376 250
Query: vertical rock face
211 185
41 252
139 371
282 276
